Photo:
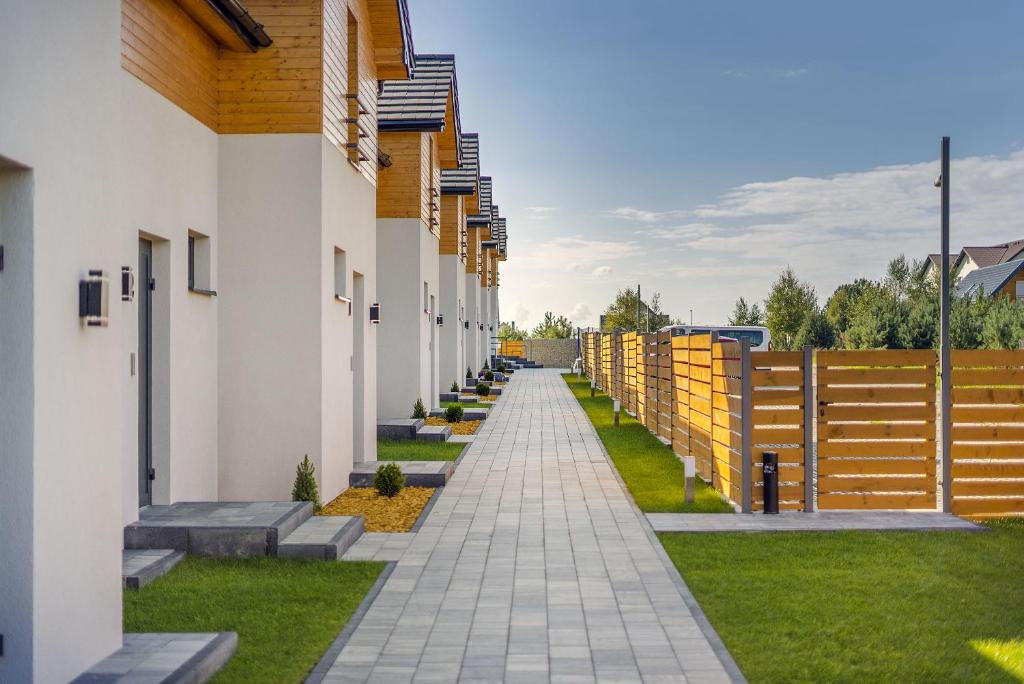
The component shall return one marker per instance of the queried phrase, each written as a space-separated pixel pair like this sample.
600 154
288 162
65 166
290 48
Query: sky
699 148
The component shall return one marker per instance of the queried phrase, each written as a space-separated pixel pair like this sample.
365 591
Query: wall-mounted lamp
127 284
440 320
375 313
466 323
93 296
345 300
481 326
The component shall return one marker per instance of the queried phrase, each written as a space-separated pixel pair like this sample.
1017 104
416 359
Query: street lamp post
945 365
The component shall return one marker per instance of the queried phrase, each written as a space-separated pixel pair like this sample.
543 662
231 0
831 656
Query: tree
789 303
509 331
553 328
621 314
920 328
966 316
840 307
1003 326
816 332
743 314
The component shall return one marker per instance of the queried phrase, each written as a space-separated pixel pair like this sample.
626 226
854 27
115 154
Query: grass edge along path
417 450
862 606
286 612
653 474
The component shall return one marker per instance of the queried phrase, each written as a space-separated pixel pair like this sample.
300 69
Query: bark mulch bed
463 427
383 514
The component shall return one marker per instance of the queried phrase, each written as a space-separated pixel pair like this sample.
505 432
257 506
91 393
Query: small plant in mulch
388 480
469 373
418 410
305 487
454 387
483 389
486 367
454 413
489 376
502 367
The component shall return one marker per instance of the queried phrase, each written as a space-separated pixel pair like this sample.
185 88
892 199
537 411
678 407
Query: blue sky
699 148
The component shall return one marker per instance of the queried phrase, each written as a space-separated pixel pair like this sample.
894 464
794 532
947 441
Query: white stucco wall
452 347
60 383
472 283
169 181
406 259
486 333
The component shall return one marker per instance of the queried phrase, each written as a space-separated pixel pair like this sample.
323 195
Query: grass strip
417 450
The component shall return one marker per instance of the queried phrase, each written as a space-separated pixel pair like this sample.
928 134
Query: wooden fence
875 412
511 348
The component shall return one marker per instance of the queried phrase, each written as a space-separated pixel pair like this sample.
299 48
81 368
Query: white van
760 338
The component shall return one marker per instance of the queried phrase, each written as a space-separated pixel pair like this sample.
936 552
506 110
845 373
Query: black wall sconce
466 324
93 296
481 326
375 313
127 284
440 321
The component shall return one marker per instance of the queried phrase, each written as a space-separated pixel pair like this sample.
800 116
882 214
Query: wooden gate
727 420
779 393
876 429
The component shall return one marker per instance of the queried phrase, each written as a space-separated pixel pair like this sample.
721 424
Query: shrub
305 488
469 373
489 376
388 480
486 367
502 367
483 389
418 411
453 414
454 387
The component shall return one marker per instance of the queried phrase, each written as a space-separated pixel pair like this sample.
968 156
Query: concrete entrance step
467 413
495 391
139 567
448 396
157 658
434 433
322 537
399 428
217 528
417 473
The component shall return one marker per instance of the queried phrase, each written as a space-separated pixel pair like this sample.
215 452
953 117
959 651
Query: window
426 297
340 273
199 263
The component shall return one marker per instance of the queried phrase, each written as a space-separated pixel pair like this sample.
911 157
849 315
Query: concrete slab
448 396
434 433
322 537
159 658
139 567
467 413
417 473
399 428
461 439
822 521
380 546
217 528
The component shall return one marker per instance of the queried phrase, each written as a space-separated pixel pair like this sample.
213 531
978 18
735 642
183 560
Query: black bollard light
770 465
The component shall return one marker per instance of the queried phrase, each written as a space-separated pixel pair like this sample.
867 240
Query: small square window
426 297
340 273
199 263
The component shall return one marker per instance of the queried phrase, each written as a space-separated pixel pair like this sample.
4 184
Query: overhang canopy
464 180
427 102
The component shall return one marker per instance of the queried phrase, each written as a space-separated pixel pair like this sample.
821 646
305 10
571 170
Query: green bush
489 376
454 413
454 387
469 373
388 480
418 410
305 488
486 367
483 389
502 367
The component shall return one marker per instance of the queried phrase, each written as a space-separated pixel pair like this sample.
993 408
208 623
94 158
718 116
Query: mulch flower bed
383 514
463 427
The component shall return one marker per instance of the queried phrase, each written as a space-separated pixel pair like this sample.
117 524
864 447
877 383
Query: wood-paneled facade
453 226
318 76
411 186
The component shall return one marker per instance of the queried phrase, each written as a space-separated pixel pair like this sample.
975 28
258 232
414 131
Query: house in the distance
973 258
997 280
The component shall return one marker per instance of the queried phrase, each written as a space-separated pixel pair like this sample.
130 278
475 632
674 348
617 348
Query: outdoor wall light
481 325
440 321
375 313
345 300
127 284
93 297
466 324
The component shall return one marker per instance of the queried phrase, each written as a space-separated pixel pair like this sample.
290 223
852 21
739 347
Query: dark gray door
145 373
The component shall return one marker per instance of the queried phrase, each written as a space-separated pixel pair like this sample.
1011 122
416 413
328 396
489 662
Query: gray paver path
534 565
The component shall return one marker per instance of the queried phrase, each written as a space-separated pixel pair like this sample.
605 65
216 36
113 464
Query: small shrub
418 411
305 488
483 389
489 376
502 367
454 413
469 373
388 480
454 387
486 367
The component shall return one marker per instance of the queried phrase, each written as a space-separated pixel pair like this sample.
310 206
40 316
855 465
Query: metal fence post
945 367
747 426
810 452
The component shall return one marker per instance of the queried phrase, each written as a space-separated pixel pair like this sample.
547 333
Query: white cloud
766 73
580 314
520 314
602 271
540 213
572 253
643 215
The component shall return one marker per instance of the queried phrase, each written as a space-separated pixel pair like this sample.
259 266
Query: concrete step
217 528
448 396
139 567
399 428
322 537
471 382
160 658
495 391
467 413
417 473
434 433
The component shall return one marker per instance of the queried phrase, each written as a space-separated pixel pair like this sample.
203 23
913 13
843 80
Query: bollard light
592 386
615 408
690 472
770 475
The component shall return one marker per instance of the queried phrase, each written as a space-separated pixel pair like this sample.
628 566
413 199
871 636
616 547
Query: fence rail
853 430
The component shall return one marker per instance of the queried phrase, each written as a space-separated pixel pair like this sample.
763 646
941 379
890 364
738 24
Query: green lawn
467 404
652 472
286 612
413 450
863 606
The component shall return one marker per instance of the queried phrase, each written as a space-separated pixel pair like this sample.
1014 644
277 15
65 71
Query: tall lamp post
945 365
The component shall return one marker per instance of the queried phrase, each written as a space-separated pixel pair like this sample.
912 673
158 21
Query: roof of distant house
466 179
993 254
420 103
934 260
989 279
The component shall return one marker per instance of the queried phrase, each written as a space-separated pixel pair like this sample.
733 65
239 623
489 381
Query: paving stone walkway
820 521
534 565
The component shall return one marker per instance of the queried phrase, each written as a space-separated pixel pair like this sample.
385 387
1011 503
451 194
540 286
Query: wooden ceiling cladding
453 225
411 186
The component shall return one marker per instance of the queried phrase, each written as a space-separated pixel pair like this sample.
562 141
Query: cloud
580 314
574 253
602 271
540 213
643 215
520 314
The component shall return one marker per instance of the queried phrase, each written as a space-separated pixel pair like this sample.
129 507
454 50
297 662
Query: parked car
760 338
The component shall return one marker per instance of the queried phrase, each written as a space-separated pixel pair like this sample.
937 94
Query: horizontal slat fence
988 432
681 396
629 372
876 429
778 424
726 419
664 386
699 400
